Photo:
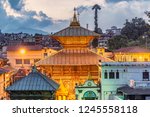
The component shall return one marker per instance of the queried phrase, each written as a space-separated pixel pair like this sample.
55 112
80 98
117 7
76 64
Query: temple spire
75 22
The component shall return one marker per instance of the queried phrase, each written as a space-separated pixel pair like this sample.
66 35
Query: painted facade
119 74
132 54
88 91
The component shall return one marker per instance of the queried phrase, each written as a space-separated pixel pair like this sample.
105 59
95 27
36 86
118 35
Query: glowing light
22 51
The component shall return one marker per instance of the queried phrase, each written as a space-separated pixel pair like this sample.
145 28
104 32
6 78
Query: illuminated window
146 75
145 59
18 61
45 55
117 74
26 61
111 75
105 74
134 60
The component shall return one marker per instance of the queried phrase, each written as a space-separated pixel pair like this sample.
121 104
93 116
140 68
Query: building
73 63
125 80
27 55
132 54
88 91
114 30
6 78
33 86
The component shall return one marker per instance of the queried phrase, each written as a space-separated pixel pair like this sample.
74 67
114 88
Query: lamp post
22 52
145 36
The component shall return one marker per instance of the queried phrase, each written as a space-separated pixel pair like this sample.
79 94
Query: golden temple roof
73 57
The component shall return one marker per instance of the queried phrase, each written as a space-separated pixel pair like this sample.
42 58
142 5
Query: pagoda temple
71 65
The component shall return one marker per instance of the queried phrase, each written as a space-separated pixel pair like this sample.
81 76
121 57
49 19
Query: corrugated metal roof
73 57
133 50
134 91
35 81
75 31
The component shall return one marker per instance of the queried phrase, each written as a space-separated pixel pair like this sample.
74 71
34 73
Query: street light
145 36
22 52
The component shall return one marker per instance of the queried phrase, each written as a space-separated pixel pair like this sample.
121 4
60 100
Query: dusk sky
54 15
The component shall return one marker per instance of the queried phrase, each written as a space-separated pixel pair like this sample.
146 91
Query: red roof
133 50
27 47
73 57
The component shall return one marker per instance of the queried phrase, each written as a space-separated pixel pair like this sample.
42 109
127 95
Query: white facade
129 73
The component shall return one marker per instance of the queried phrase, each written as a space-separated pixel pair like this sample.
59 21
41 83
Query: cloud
54 15
58 9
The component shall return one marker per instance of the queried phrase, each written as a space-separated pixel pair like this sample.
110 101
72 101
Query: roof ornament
75 22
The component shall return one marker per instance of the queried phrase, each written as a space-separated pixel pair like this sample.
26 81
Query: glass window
18 61
146 60
111 75
26 61
134 60
105 75
146 75
45 54
117 74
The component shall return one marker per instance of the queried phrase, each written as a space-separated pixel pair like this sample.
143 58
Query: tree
135 28
95 43
117 42
96 7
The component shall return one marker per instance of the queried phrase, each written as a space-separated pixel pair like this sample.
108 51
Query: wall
131 71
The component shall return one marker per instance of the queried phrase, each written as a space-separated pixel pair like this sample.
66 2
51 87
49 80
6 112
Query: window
145 75
26 61
117 74
45 55
134 60
146 60
18 61
105 74
111 75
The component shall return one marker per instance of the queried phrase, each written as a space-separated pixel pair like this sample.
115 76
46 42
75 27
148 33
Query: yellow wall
32 55
5 81
132 57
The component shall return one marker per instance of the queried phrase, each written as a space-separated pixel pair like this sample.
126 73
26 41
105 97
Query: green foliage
95 43
135 28
117 42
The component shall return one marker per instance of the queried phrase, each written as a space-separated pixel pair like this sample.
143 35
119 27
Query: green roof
35 81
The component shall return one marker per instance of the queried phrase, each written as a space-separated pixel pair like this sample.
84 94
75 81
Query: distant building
132 54
125 80
114 30
6 79
103 40
27 56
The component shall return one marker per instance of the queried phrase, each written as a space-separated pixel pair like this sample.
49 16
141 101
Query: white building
129 80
